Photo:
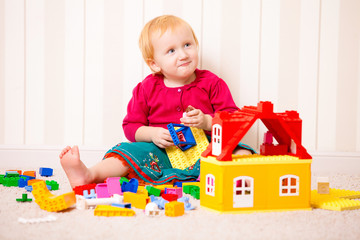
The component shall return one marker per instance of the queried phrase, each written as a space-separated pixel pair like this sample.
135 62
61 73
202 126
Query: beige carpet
197 224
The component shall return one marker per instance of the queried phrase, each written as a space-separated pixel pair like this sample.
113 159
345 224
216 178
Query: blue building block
131 186
182 137
187 204
46 172
29 188
22 182
122 205
178 184
91 195
27 178
159 201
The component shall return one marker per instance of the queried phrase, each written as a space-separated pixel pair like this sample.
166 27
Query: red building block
170 197
79 190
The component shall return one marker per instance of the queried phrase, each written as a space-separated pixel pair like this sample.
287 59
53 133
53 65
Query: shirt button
178 109
179 90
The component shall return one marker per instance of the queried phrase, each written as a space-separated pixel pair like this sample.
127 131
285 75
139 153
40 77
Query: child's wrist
208 122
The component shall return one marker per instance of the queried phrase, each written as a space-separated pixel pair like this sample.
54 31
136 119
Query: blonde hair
162 24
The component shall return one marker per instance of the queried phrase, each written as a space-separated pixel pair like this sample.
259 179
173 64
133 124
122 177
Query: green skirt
152 164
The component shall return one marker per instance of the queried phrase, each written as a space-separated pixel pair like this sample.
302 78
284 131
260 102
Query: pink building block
177 191
102 190
113 186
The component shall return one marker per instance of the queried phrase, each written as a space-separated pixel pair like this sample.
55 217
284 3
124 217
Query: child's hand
161 137
196 118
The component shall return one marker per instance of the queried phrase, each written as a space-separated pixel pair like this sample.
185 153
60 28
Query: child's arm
159 136
196 118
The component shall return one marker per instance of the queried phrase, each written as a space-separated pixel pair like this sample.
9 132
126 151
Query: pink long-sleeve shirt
154 104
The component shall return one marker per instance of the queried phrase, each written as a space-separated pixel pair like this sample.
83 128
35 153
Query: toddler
170 48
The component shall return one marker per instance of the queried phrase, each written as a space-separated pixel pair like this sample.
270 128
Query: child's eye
171 51
187 45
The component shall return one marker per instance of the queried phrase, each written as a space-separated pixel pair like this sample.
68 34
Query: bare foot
76 171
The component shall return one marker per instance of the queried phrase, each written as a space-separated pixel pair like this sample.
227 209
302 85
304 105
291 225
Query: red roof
285 127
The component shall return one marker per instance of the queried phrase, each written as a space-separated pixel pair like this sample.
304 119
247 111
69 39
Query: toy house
266 182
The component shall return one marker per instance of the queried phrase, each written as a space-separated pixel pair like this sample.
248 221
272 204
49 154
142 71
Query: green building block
187 188
2 179
12 174
195 192
11 181
123 179
153 191
53 184
24 198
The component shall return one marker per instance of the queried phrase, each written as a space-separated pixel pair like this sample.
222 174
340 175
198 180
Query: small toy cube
195 192
177 191
136 200
152 210
113 185
53 184
174 209
80 189
46 172
90 195
131 186
153 191
101 190
170 197
323 185
30 173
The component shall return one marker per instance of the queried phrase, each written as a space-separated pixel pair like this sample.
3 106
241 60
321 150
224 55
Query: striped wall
67 67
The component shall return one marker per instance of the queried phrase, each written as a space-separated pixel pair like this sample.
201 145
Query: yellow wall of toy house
266 185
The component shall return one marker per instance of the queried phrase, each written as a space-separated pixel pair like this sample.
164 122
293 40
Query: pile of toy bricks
118 195
27 180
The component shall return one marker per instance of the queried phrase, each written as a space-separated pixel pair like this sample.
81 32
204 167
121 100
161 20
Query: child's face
175 54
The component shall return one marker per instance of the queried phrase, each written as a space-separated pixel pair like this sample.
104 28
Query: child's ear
152 64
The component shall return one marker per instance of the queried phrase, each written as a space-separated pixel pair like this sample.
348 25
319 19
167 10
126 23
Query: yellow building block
184 159
336 200
174 209
162 187
142 190
50 202
110 211
136 200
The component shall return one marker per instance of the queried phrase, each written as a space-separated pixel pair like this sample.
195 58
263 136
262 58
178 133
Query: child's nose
182 54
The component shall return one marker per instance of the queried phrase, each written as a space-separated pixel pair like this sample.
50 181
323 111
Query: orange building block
32 181
174 209
30 173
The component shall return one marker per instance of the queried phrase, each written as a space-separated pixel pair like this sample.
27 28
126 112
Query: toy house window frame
243 192
289 185
216 139
210 184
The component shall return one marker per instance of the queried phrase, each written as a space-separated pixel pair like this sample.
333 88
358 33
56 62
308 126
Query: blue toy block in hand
182 137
